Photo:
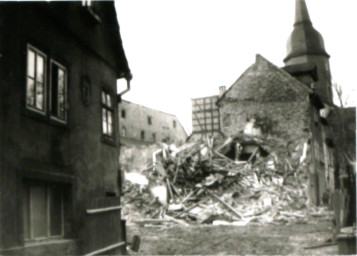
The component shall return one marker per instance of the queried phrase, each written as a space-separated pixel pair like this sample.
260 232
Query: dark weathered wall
267 93
32 146
282 107
288 120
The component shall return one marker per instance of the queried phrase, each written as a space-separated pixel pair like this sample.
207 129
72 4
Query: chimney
222 89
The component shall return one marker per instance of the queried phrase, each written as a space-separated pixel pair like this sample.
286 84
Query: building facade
142 125
59 122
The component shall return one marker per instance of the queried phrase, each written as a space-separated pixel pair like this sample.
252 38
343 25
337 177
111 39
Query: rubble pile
235 181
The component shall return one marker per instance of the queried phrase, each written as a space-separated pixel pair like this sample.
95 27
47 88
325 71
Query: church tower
306 47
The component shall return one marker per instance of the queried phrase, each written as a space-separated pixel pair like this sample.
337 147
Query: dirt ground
173 239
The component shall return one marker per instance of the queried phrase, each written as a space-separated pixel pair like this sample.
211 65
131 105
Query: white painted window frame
37 52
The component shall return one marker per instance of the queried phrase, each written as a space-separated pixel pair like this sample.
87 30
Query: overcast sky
183 49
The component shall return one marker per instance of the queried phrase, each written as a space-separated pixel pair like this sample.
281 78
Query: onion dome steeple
306 45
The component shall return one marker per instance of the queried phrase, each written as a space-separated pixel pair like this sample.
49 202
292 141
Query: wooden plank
102 225
224 203
105 249
106 209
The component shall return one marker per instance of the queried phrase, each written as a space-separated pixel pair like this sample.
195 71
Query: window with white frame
43 86
107 114
36 80
58 91
43 210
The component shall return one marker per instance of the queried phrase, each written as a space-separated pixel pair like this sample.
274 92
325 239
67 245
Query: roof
304 39
123 67
302 68
265 82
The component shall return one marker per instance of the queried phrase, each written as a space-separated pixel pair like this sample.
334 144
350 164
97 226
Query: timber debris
232 181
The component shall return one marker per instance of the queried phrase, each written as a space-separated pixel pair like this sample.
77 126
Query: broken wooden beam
181 222
224 203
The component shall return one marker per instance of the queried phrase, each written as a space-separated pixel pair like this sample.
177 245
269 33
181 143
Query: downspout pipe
128 78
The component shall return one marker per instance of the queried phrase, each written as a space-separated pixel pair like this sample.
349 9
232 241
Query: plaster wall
35 147
162 124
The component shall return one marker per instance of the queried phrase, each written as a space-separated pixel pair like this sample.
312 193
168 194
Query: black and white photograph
178 127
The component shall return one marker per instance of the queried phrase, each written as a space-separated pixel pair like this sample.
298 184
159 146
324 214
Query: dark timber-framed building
59 64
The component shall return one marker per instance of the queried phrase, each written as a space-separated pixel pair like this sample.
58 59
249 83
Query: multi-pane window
107 114
43 211
36 80
40 90
58 91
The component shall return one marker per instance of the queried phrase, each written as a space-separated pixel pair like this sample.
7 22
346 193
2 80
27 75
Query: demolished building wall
276 104
137 157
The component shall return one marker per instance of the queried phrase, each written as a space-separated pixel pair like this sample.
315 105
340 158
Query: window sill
109 140
47 241
41 117
60 247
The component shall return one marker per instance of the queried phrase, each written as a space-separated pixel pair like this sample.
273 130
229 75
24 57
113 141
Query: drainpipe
128 78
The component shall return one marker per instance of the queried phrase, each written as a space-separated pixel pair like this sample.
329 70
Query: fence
104 229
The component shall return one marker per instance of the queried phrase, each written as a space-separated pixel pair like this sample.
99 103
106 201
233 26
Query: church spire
301 12
306 46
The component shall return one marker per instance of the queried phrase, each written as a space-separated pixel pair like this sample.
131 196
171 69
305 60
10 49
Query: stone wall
288 120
